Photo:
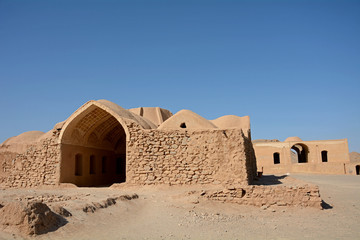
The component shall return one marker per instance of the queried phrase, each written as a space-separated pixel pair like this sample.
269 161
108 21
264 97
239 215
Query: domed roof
186 119
293 139
232 121
156 115
24 138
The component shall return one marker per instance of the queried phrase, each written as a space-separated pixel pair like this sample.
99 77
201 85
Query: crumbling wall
304 196
188 157
39 165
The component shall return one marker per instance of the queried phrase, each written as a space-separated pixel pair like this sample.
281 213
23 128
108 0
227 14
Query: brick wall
305 196
37 166
189 157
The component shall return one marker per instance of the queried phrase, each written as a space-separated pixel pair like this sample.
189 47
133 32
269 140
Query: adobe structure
297 156
102 143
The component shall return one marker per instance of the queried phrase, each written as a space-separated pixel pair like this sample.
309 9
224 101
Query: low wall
39 165
304 196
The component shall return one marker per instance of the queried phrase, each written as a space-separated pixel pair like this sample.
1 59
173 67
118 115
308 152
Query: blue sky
292 66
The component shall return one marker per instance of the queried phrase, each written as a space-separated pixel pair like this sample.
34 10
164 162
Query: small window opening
276 158
78 165
103 165
324 156
92 164
183 125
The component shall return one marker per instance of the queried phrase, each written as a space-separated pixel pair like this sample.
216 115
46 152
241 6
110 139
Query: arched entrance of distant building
299 153
93 148
357 168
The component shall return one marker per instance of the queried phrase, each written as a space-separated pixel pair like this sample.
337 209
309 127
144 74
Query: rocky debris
29 218
193 216
127 197
61 211
92 207
46 198
89 208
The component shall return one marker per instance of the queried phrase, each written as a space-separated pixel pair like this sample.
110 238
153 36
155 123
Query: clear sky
292 66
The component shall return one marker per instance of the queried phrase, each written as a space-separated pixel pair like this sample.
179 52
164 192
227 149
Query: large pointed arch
93 146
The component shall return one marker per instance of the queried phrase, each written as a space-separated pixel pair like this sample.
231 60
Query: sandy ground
173 213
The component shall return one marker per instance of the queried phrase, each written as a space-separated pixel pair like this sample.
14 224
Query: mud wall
189 157
39 165
305 196
153 157
337 157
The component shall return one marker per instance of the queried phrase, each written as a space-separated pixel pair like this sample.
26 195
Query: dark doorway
357 169
121 168
324 156
276 158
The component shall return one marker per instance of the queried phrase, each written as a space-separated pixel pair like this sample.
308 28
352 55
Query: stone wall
170 157
189 157
304 196
39 165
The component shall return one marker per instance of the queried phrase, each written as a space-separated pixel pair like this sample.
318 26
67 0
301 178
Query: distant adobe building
102 143
297 156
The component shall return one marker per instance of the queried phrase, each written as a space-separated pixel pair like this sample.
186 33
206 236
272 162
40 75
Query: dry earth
174 213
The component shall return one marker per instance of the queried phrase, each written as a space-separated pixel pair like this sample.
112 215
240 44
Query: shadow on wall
251 166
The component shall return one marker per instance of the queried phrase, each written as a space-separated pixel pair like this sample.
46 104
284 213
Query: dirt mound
354 157
29 218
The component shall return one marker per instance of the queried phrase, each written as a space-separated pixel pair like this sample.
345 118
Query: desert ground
179 212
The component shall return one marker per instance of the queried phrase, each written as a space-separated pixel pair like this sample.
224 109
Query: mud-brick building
297 156
102 143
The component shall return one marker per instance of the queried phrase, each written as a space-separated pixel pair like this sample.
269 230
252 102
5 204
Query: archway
299 153
357 168
93 149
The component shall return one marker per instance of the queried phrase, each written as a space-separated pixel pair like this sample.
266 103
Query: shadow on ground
325 205
269 180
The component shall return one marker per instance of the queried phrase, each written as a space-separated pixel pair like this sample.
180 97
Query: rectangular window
276 158
92 164
324 157
103 165
78 165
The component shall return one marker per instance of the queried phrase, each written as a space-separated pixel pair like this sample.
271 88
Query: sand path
170 213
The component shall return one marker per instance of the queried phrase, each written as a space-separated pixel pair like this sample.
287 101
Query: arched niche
99 137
